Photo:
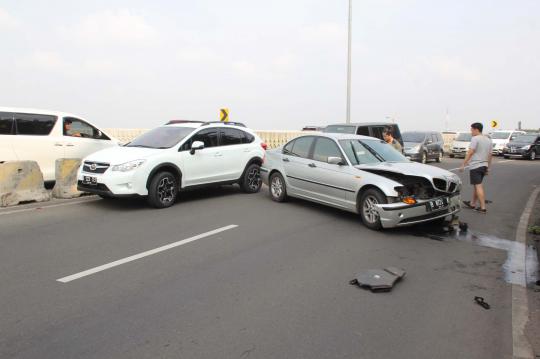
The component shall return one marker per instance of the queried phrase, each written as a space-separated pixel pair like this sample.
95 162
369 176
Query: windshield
465 137
500 135
525 138
340 129
161 137
415 137
370 151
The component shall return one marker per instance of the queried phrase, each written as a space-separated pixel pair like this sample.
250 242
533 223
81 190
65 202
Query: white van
461 144
500 139
45 136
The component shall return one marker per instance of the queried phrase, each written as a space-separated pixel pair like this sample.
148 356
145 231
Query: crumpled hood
411 169
119 155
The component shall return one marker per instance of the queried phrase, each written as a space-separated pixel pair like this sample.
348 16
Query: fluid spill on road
521 266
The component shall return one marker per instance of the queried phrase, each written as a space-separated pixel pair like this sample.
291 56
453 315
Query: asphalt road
275 286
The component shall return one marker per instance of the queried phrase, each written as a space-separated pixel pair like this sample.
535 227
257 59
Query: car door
203 166
82 139
7 131
295 163
330 183
38 138
236 151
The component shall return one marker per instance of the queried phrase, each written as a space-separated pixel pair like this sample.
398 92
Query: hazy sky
277 64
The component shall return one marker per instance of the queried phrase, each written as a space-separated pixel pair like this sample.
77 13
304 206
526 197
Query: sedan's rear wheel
278 188
163 190
368 208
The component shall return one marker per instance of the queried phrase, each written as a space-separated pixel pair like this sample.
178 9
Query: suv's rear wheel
251 181
278 188
163 190
368 212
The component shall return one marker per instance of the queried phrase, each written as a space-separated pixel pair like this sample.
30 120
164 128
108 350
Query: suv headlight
526 147
128 166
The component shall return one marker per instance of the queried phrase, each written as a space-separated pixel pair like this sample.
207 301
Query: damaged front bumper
400 214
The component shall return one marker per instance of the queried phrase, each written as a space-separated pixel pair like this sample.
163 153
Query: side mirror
197 145
335 161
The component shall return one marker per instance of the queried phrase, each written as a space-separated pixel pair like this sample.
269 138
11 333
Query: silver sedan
363 175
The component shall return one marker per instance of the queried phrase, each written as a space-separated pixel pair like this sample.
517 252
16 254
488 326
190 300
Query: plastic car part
379 280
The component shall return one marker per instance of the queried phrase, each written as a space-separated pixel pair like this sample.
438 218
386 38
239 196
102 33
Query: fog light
408 200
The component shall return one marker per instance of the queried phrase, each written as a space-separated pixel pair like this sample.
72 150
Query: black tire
277 187
163 190
439 157
369 215
532 156
251 181
451 156
424 158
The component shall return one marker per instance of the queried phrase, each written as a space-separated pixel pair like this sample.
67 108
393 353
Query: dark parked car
523 146
372 129
422 146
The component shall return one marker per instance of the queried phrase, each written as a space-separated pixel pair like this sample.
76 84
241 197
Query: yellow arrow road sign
224 115
494 124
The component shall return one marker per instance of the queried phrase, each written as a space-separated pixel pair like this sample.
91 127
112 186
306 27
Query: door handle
312 165
247 150
218 154
70 145
285 159
58 144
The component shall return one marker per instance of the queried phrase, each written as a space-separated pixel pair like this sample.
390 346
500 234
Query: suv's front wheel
251 181
163 190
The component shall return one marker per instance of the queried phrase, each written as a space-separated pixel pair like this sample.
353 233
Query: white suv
175 157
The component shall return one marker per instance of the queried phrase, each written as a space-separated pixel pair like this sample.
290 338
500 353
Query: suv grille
440 184
95 167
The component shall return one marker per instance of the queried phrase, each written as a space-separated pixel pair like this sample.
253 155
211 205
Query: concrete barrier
21 181
66 178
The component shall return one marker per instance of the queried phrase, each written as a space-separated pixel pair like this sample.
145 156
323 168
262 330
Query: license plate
91 180
437 204
513 149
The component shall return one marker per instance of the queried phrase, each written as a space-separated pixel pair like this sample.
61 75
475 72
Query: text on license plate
436 204
90 180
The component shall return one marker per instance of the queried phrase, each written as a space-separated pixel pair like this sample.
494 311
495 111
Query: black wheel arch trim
161 166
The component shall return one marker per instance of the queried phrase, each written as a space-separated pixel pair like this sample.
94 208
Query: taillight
264 146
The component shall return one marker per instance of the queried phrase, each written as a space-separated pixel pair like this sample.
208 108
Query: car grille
452 187
95 167
440 184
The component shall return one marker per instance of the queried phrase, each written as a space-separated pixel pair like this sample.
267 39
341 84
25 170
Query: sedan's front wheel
368 208
163 190
278 188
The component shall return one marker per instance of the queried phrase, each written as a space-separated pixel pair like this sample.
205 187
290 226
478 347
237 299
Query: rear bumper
265 174
398 215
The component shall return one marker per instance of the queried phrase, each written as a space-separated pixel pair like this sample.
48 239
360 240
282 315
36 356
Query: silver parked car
363 175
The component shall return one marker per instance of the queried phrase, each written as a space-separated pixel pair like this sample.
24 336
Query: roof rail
240 124
172 122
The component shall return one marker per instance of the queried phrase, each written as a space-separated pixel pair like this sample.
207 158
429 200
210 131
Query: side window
34 125
209 137
302 146
325 148
287 150
248 137
231 136
6 123
377 132
363 131
75 127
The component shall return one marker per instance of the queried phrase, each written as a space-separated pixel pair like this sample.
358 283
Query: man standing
479 157
388 137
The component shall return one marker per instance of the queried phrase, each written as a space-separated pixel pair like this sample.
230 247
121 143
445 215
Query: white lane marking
22 210
521 347
103 267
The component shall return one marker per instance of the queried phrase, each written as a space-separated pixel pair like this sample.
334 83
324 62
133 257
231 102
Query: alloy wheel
276 187
254 179
166 190
369 209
